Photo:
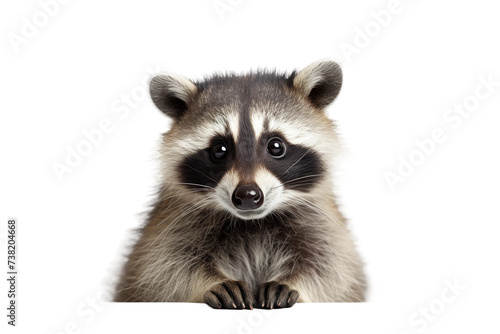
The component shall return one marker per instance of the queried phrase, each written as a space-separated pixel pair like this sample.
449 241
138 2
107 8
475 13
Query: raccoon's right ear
172 94
320 82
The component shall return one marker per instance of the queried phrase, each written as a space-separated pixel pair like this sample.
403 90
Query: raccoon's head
249 144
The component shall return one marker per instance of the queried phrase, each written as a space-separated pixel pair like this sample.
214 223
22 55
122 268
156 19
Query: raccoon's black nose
247 197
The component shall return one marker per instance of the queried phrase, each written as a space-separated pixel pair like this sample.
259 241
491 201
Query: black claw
229 295
275 295
211 300
294 296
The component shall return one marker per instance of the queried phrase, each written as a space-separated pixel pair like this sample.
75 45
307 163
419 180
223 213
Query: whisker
303 155
322 212
178 195
184 214
164 198
201 173
298 178
194 184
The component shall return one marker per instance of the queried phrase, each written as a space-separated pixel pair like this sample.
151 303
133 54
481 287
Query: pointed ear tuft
172 94
320 82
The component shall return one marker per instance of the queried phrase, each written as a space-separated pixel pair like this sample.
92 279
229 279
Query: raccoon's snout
247 197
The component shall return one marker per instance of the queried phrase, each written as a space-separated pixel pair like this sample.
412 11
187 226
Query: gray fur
193 240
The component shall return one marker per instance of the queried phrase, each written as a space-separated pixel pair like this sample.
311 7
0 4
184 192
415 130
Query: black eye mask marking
299 168
205 168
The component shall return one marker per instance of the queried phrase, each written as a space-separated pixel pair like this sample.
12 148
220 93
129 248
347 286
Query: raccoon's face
249 145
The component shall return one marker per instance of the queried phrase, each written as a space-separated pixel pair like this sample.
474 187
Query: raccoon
245 214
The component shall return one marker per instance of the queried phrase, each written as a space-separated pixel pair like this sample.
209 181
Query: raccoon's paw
276 295
229 295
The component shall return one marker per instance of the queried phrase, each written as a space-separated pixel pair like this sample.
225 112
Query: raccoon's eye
275 147
219 151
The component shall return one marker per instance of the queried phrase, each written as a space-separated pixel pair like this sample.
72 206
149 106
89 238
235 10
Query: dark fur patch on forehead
246 148
220 91
258 78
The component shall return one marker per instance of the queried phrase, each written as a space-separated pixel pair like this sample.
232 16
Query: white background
440 225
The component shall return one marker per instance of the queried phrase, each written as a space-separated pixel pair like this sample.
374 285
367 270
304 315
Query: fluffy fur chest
259 252
254 259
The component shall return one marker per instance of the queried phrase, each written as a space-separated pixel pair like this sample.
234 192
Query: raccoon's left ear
320 82
172 94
